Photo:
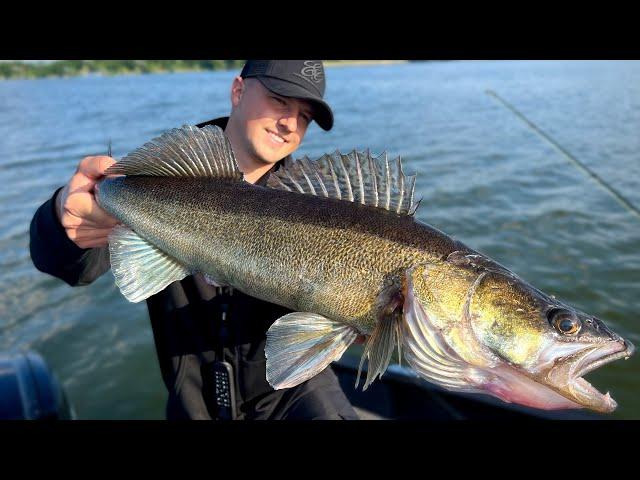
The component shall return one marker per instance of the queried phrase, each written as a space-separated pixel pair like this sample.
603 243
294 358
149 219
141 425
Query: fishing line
617 195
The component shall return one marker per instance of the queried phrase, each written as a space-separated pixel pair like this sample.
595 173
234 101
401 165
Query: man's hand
86 224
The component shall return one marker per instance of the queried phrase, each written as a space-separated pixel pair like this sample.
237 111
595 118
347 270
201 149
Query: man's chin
273 155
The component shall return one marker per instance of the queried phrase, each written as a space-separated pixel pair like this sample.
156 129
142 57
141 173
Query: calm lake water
484 176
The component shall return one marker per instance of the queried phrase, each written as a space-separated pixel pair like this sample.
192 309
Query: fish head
543 347
479 328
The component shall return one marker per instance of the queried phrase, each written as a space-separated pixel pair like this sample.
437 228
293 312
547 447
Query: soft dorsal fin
182 152
357 177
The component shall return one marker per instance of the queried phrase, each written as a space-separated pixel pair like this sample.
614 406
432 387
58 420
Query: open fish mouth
563 386
566 377
580 390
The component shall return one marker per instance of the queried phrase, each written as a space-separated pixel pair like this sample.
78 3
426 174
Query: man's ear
238 88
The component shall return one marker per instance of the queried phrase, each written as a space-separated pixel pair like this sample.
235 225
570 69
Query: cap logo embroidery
311 72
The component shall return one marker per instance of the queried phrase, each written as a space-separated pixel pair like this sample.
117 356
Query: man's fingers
71 221
81 183
95 243
94 167
89 238
84 206
88 234
90 170
98 230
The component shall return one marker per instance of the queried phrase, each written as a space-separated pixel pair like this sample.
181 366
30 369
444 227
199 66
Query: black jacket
189 333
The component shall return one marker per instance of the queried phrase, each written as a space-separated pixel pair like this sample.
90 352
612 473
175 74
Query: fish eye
564 322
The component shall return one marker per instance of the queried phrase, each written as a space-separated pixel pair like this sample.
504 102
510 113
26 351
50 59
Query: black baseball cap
302 79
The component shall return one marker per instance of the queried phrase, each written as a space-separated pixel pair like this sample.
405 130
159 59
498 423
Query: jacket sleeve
54 253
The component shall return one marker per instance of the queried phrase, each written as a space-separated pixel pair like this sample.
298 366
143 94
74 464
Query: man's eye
279 100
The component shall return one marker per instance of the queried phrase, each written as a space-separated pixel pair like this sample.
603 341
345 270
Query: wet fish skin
465 322
304 253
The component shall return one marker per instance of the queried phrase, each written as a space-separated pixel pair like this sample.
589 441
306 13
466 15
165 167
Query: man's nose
290 122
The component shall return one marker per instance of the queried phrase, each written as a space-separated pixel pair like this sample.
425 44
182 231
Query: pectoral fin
300 345
140 268
427 351
379 348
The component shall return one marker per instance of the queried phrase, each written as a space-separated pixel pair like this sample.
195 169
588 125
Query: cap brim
322 112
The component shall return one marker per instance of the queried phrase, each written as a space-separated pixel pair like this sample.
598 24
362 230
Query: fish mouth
567 377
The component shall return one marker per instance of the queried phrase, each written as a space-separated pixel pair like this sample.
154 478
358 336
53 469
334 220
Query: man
196 324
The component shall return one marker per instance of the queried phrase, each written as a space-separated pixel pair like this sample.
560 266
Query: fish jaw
562 386
511 385
566 375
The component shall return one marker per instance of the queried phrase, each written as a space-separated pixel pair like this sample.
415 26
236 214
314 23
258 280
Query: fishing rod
617 195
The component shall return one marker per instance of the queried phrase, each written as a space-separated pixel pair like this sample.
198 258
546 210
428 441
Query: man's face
271 126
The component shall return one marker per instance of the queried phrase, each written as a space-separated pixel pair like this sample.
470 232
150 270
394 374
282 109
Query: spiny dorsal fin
182 152
357 177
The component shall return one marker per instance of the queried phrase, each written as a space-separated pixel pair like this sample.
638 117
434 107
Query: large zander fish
336 241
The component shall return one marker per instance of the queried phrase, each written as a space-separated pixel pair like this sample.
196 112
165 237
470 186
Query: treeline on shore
70 68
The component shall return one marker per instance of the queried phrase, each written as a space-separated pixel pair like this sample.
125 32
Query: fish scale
272 244
335 240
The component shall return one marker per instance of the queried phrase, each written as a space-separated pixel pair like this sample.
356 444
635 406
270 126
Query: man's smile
276 138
